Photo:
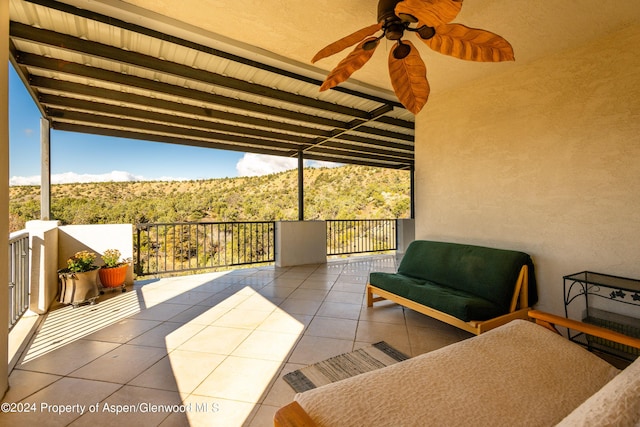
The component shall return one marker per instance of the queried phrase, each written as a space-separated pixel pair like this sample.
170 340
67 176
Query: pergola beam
99 50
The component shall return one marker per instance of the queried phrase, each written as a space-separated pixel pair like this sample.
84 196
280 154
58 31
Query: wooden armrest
292 415
549 320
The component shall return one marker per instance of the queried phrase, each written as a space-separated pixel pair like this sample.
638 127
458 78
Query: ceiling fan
406 69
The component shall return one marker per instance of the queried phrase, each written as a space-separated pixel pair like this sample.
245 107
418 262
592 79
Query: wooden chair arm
549 321
292 415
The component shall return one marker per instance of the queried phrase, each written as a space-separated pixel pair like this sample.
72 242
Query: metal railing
18 276
360 236
177 247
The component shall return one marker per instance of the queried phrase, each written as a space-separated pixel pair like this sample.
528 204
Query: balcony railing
18 276
361 236
178 247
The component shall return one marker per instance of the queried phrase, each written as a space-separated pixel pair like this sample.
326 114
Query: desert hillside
347 192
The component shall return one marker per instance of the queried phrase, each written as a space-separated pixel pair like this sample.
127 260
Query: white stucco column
300 243
4 192
406 233
43 249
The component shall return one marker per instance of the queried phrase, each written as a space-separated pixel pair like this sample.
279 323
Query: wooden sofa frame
293 415
518 309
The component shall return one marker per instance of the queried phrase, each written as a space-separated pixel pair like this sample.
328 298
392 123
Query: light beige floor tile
146 407
353 279
224 299
280 392
272 291
424 340
345 297
25 383
327 271
258 302
200 314
315 349
328 327
244 288
214 286
212 412
123 331
191 297
264 416
238 378
286 323
152 297
270 272
168 335
297 274
394 335
69 358
358 288
383 312
300 306
314 283
245 319
257 282
67 324
121 365
418 319
339 310
203 359
180 371
76 392
309 294
160 312
216 339
267 345
287 282
332 267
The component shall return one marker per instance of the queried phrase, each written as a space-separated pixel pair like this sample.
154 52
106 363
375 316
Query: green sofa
472 287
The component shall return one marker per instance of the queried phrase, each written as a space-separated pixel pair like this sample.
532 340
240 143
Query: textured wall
4 185
544 159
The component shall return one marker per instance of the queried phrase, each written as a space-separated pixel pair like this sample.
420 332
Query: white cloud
249 165
261 164
72 177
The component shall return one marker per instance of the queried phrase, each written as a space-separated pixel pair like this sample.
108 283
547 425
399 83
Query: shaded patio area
212 345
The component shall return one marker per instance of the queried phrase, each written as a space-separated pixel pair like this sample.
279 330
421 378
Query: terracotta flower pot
113 277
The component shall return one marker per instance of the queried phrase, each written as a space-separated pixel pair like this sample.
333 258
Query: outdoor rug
369 358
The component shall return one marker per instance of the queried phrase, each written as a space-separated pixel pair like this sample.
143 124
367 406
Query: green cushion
393 281
460 304
487 273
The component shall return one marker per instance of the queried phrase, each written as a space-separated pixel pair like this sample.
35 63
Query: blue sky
77 157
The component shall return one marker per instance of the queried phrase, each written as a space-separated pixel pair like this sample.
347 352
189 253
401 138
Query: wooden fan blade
409 79
471 44
345 42
430 12
349 65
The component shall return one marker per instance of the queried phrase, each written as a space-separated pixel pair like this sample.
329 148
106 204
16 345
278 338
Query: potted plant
78 281
114 271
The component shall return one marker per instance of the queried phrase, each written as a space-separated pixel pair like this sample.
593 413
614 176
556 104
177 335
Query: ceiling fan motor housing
386 10
394 25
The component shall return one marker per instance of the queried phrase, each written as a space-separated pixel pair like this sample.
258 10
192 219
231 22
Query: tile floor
205 350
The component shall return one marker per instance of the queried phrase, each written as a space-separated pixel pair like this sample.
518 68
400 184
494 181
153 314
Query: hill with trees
347 192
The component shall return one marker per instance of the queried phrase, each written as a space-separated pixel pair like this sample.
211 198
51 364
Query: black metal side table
589 286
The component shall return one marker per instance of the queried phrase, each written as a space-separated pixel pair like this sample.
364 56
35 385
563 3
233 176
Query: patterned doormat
369 358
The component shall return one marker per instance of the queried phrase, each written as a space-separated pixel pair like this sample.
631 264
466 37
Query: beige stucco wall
43 244
96 238
4 187
300 242
544 158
